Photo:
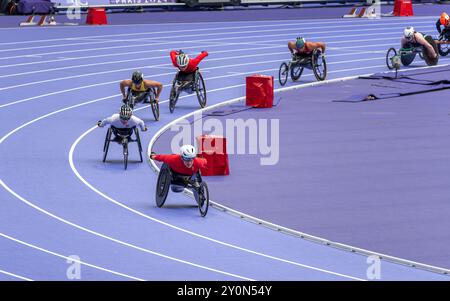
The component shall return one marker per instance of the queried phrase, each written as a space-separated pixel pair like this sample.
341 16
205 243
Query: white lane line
161 74
168 64
198 41
147 66
84 181
291 23
212 45
284 32
72 165
158 40
142 52
137 212
115 82
396 260
222 58
15 275
68 258
75 171
23 200
3 139
209 45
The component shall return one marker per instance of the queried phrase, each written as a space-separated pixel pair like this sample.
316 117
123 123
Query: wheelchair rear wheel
202 197
296 72
319 65
174 94
283 74
130 100
154 104
138 140
163 185
200 89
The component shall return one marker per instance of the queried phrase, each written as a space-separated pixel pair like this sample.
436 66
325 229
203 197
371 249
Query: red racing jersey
176 164
193 63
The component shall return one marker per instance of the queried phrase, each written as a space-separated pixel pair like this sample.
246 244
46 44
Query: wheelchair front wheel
130 100
154 104
319 65
200 89
162 185
202 197
283 74
125 156
296 72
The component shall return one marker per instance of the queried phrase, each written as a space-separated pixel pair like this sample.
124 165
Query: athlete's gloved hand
145 129
99 123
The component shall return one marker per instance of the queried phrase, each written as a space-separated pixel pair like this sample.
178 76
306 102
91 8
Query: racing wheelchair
315 61
123 137
149 96
407 55
189 82
168 178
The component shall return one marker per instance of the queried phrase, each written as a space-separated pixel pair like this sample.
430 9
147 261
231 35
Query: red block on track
96 16
214 150
259 91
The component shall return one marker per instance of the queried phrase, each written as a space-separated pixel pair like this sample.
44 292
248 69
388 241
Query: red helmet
445 19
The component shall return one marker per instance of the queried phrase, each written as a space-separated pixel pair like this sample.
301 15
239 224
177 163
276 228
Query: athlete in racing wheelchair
179 172
122 126
141 90
310 55
414 43
443 40
188 78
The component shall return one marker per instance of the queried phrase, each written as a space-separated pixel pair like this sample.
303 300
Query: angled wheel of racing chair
123 137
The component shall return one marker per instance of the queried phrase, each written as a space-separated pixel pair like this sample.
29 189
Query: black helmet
125 112
137 77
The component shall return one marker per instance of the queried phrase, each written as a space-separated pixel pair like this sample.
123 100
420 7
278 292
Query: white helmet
182 60
188 152
408 33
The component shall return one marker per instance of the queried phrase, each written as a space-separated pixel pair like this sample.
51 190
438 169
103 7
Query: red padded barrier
214 150
259 91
